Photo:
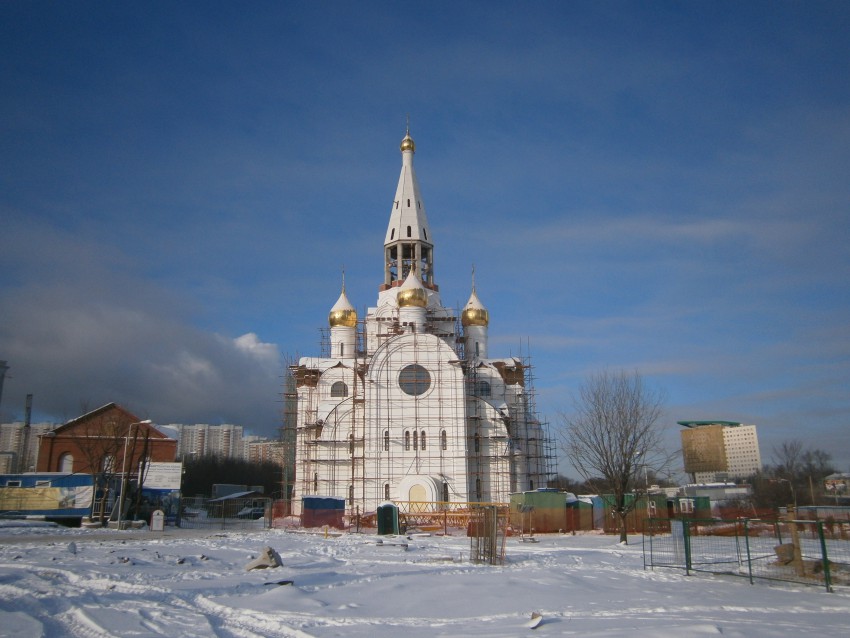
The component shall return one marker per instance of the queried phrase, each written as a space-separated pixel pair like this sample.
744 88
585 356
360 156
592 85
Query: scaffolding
473 434
487 533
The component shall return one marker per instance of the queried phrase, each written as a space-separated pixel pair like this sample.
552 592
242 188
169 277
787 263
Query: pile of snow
62 582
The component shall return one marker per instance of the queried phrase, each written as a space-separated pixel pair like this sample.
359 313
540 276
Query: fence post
686 534
826 575
747 545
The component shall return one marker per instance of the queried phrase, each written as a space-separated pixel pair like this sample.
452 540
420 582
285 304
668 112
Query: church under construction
406 404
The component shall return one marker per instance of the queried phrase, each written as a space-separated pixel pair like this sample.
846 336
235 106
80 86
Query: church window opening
339 389
386 491
415 439
414 380
422 439
407 440
342 349
392 232
408 205
531 484
445 492
66 463
409 232
386 440
477 349
477 443
351 444
483 389
444 440
315 482
424 233
478 488
351 495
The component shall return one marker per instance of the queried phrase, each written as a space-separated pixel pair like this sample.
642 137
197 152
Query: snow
108 583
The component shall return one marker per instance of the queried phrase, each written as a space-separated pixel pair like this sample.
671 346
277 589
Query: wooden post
795 541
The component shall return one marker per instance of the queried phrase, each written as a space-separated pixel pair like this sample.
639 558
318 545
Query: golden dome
407 144
343 314
474 313
412 294
412 297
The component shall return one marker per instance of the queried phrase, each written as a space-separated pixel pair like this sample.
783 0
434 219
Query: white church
407 405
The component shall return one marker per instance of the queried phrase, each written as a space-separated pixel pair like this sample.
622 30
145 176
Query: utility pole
23 448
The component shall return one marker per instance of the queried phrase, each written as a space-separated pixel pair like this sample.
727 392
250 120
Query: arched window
351 444
422 439
386 491
341 350
415 439
386 440
478 488
477 443
66 462
351 495
445 492
444 440
483 387
409 230
315 483
339 389
407 440
392 232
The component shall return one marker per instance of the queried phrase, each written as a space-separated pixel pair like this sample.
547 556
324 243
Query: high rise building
407 404
719 450
209 440
14 438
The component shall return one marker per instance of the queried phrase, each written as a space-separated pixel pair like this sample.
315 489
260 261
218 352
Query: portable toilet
387 518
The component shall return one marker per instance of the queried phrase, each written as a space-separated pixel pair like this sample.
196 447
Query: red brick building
99 441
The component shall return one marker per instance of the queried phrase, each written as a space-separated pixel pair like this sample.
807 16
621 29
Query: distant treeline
201 473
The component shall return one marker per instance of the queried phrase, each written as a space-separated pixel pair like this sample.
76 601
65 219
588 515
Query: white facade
743 457
408 406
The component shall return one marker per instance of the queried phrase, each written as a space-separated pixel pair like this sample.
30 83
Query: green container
387 519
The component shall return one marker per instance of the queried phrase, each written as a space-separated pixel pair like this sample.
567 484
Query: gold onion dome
412 294
474 313
407 143
343 314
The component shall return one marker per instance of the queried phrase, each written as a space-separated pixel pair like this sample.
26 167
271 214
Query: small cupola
412 293
343 314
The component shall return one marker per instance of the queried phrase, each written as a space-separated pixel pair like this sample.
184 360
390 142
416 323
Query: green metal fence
801 551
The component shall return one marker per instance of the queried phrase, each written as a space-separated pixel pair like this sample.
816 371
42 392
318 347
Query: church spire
408 242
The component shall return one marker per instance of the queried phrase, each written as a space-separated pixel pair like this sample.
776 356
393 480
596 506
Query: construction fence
809 552
225 513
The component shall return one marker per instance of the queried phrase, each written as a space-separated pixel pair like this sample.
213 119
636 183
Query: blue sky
658 186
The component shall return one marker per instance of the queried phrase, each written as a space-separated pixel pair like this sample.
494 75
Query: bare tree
788 457
100 443
612 437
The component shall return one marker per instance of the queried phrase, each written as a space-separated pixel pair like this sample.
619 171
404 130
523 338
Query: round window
414 380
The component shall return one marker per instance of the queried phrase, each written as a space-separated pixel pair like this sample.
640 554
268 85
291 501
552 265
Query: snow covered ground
185 583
